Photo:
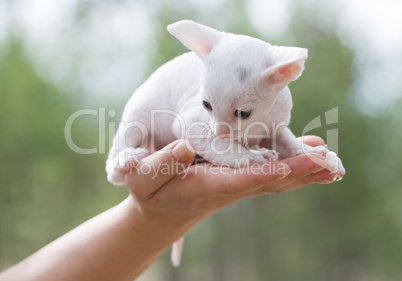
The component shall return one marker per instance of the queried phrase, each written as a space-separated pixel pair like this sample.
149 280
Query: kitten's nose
222 131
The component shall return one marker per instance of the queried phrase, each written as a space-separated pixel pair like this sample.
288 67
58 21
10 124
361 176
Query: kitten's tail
177 249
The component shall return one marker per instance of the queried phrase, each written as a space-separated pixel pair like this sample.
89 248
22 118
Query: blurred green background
58 57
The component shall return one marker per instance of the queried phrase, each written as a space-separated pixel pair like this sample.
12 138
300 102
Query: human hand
168 197
165 187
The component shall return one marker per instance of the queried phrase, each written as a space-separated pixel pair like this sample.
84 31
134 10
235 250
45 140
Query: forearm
118 244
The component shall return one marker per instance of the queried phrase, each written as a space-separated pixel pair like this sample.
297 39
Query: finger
154 171
225 181
304 164
323 177
301 166
312 140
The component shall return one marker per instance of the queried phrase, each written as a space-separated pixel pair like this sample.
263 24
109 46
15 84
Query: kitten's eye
207 105
243 114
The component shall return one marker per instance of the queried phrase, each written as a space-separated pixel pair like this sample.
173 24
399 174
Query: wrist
161 227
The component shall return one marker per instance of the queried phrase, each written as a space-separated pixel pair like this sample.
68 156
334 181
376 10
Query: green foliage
46 189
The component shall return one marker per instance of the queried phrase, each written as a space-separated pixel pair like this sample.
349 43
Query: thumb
153 171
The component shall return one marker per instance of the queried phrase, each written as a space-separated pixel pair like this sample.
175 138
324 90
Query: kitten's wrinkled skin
227 72
229 94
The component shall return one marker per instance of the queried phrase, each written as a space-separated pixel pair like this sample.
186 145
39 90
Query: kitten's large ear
199 38
288 65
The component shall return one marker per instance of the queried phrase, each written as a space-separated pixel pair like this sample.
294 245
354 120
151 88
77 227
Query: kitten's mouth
235 135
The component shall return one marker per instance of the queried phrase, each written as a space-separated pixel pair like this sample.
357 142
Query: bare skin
125 240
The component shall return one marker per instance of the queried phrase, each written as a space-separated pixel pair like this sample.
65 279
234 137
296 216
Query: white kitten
228 95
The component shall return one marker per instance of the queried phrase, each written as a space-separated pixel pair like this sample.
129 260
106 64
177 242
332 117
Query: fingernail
338 178
183 152
171 145
282 176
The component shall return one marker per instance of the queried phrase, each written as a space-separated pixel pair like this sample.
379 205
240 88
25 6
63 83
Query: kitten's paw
270 155
124 163
260 156
316 149
334 164
249 160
